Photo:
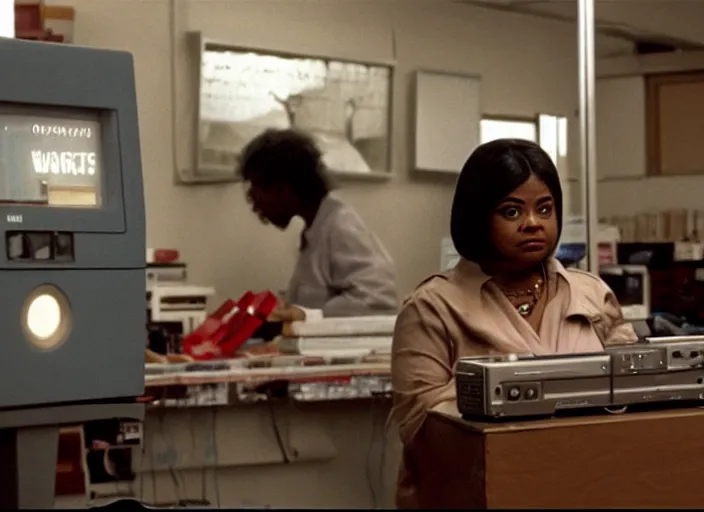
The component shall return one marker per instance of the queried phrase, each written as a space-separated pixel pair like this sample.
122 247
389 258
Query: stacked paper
339 337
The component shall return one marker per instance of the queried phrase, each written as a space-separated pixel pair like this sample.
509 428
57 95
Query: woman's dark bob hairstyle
491 173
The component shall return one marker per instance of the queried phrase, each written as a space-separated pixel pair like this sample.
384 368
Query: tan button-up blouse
463 313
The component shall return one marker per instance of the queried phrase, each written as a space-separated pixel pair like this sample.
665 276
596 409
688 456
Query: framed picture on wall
447 116
345 105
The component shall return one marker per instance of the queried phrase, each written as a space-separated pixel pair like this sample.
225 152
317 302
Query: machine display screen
50 161
628 287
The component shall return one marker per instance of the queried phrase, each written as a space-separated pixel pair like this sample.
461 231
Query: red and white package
230 326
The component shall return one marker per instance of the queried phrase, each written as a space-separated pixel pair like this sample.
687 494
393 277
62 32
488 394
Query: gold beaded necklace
532 294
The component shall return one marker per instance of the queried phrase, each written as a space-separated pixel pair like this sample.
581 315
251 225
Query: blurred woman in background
343 269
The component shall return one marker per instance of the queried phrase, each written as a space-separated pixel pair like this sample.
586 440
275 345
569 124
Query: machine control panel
520 391
640 360
39 246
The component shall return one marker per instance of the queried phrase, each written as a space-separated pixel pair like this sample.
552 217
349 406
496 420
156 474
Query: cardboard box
44 21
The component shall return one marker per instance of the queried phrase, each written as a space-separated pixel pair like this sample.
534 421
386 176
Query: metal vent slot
470 392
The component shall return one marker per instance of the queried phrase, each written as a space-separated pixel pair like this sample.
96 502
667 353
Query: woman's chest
503 334
309 283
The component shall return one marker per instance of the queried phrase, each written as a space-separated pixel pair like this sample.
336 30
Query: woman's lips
533 244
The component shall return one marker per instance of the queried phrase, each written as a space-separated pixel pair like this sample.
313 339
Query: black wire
203 470
215 450
130 484
203 480
144 458
172 471
153 471
115 476
384 445
275 426
377 427
130 487
368 460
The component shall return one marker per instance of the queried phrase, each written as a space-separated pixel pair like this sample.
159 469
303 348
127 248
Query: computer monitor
631 285
72 226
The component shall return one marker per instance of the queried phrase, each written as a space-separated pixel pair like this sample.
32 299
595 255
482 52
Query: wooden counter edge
447 411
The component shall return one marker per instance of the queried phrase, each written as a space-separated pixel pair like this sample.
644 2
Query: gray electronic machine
72 257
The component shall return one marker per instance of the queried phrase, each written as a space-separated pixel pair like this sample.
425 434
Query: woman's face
524 225
271 204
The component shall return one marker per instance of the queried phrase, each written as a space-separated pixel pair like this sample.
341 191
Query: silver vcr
660 370
510 386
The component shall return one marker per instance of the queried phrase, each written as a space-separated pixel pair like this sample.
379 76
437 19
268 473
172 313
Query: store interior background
528 65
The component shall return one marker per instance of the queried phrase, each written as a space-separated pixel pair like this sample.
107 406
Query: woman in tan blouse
506 295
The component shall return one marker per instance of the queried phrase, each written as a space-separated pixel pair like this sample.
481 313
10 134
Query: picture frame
346 105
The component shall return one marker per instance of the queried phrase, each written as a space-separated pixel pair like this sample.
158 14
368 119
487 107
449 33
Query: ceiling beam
631 21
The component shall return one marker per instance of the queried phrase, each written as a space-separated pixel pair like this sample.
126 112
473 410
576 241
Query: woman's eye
545 210
511 213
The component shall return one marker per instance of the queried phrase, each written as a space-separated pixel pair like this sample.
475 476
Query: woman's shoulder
588 286
456 290
586 279
425 310
436 298
431 289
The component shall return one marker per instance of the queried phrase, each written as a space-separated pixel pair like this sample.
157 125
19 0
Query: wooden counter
632 460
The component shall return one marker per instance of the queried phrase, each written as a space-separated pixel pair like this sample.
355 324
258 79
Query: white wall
621 139
528 66
620 121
